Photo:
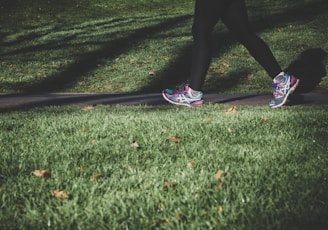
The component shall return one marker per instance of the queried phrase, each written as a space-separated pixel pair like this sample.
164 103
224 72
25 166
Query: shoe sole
290 91
177 103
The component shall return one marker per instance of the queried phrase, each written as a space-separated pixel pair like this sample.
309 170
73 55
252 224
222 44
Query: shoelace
181 91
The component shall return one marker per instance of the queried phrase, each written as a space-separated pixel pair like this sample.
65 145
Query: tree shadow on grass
63 43
175 72
89 61
179 70
216 83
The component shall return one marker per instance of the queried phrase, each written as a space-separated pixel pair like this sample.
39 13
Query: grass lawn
85 46
146 167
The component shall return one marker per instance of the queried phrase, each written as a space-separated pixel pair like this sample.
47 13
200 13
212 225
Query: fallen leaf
59 195
162 222
41 173
218 174
107 86
265 121
2 188
191 164
93 178
174 139
135 145
220 209
87 108
162 207
178 215
220 185
169 184
233 109
82 131
250 76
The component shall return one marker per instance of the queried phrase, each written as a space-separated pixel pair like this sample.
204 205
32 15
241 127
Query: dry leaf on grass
94 177
191 164
265 121
152 73
59 195
161 222
135 145
218 174
220 209
220 185
109 86
250 76
41 173
231 110
162 207
180 217
174 139
87 108
82 131
169 184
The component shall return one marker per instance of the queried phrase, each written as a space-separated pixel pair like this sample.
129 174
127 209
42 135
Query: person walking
233 14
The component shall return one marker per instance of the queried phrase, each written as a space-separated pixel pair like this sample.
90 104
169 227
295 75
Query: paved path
19 101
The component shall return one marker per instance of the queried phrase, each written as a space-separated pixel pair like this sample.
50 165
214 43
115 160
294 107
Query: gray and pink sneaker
182 97
283 86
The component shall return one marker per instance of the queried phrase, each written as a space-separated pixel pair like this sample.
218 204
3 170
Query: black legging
233 14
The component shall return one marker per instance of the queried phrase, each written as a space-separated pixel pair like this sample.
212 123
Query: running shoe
283 86
182 97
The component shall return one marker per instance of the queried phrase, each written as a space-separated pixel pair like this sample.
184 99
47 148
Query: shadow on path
9 103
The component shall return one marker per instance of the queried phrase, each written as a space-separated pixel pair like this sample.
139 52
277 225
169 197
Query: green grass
274 163
84 46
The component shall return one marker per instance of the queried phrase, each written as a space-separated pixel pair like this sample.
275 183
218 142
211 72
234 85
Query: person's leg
207 14
236 19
